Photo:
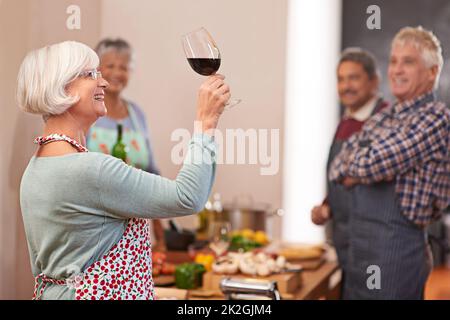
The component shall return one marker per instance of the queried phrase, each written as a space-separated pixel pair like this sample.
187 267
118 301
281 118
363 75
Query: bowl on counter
178 240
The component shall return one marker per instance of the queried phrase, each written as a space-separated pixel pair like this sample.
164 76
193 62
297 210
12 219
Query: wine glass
220 237
203 55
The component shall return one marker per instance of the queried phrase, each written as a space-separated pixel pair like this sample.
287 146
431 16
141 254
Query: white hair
424 41
45 73
119 46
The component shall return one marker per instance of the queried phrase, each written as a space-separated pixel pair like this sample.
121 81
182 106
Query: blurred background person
116 63
358 83
399 166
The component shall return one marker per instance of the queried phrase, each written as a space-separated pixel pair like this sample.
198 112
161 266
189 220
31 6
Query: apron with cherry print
123 273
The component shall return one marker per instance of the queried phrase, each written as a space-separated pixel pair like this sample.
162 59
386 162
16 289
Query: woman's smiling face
115 68
89 87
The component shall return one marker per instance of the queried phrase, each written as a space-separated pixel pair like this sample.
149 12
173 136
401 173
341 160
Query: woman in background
116 62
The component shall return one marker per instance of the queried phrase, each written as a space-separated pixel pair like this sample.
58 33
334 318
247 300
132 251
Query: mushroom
262 270
247 266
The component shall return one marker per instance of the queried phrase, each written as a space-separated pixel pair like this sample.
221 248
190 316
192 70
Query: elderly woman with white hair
399 166
84 212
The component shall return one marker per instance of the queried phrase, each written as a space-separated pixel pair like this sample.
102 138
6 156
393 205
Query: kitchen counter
321 283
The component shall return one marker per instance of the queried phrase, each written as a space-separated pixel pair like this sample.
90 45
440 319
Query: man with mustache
399 168
358 82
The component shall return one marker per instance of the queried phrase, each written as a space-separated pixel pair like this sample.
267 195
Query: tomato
158 258
156 270
168 268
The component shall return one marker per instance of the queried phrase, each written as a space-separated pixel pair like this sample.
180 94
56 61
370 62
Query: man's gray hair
362 57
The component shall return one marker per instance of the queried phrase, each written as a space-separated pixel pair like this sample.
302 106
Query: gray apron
381 236
340 200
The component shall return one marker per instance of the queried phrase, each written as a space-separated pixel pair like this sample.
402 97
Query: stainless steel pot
250 215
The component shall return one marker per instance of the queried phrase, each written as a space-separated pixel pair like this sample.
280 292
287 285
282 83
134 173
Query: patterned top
60 137
408 142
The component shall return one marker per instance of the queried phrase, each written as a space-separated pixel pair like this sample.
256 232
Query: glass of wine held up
203 55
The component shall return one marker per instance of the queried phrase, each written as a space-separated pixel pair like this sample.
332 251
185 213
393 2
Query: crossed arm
381 159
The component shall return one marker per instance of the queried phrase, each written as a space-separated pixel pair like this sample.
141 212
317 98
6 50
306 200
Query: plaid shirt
408 142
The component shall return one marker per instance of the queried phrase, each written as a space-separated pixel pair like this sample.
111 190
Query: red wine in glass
205 66
203 55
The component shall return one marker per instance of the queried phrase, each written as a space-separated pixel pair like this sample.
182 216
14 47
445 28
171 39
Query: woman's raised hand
212 97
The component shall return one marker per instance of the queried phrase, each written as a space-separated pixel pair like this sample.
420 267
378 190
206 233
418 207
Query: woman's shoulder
70 169
135 106
137 109
81 160
101 161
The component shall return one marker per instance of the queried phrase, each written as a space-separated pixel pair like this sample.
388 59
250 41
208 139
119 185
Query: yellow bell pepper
206 260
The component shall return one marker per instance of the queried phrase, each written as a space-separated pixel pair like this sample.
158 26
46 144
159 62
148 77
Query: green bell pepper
189 275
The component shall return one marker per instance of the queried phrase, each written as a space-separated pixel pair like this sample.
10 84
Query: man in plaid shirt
409 144
399 166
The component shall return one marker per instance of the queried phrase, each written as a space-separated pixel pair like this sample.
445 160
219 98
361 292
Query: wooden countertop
317 284
322 283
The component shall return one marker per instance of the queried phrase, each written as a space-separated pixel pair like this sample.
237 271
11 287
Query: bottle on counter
217 204
219 213
119 149
203 221
211 213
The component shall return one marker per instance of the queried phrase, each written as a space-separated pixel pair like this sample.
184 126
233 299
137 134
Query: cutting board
170 294
287 282
310 257
311 264
164 280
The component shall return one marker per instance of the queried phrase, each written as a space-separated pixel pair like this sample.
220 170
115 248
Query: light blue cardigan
75 207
